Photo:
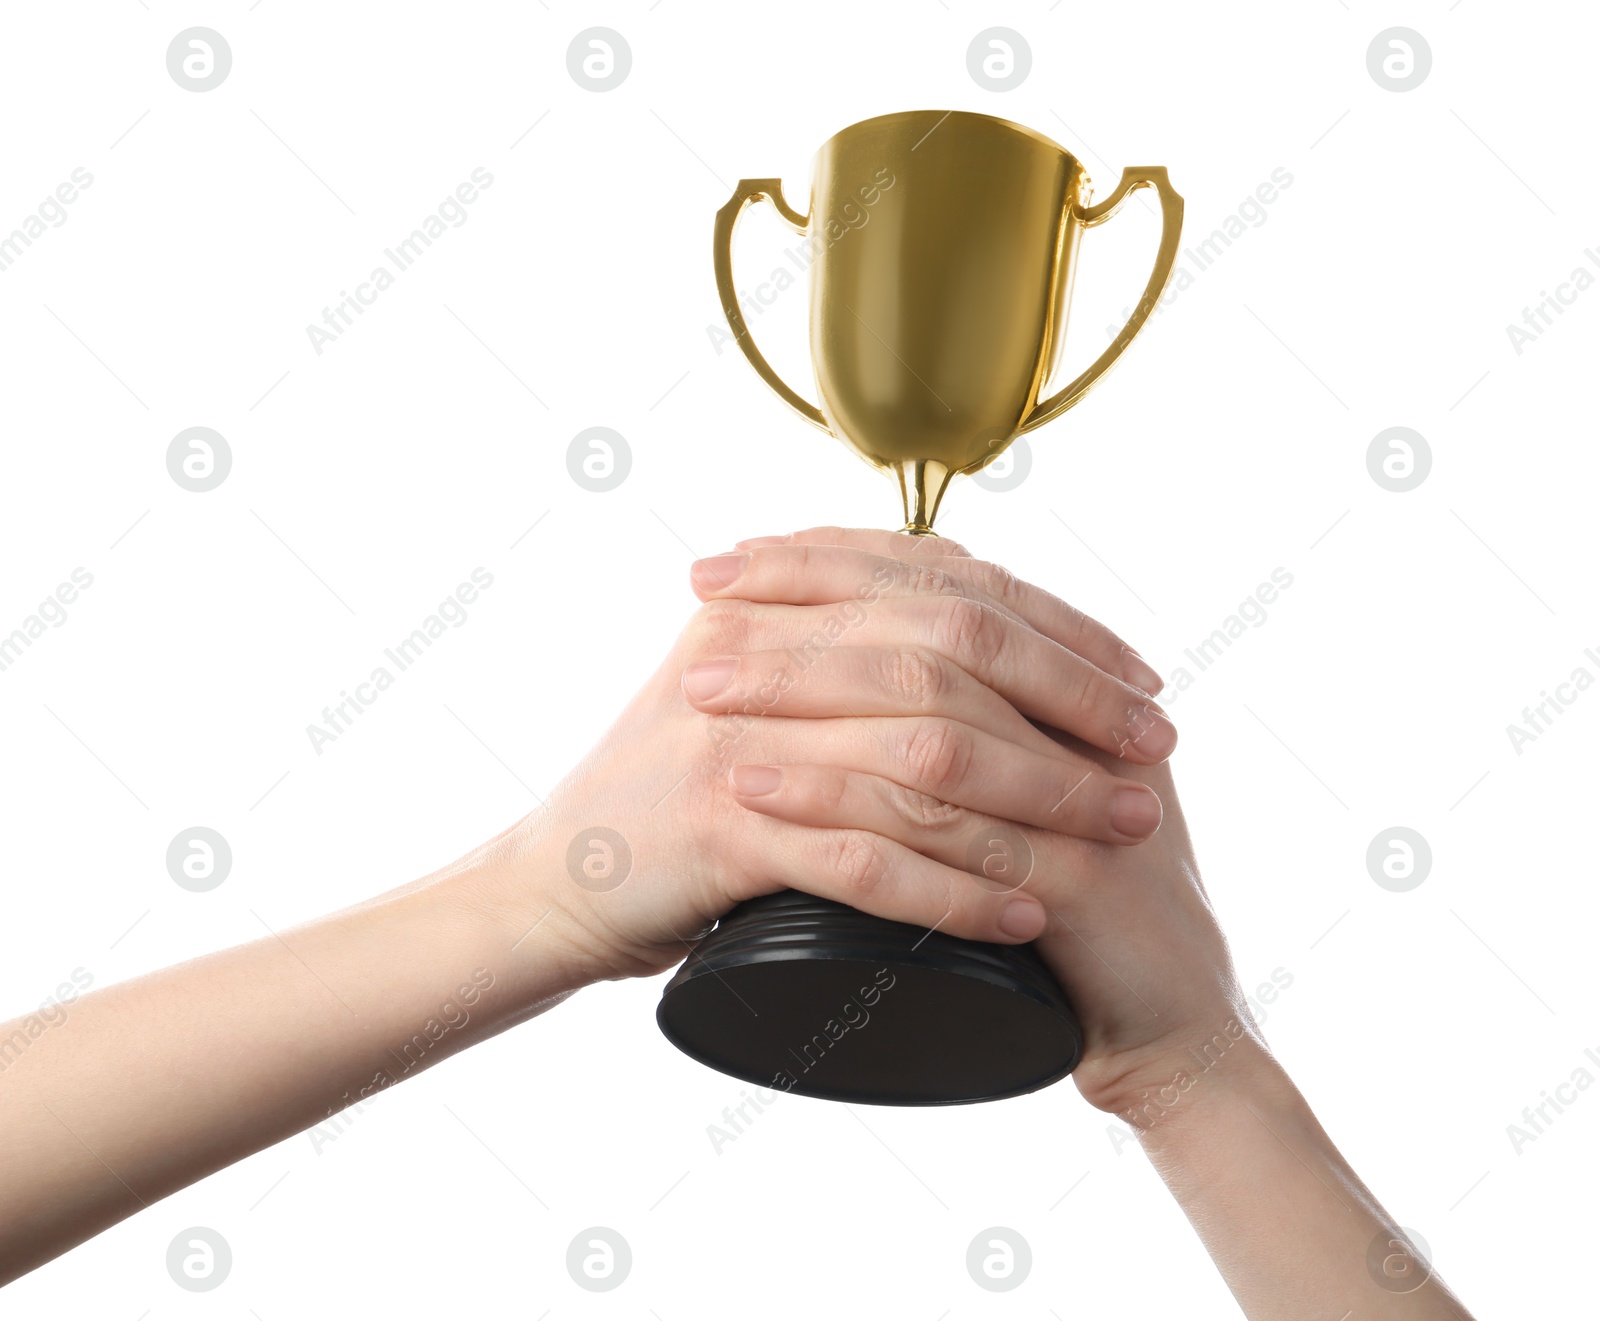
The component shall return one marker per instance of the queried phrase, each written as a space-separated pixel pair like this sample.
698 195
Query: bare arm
151 1084
1292 1229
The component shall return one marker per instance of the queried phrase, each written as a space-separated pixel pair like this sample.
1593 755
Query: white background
425 442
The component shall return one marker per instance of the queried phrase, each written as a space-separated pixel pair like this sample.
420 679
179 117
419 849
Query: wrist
512 889
1208 1095
1165 1093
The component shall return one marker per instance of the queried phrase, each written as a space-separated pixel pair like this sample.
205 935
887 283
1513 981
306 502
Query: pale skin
947 698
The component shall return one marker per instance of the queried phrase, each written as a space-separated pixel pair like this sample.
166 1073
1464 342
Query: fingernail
705 680
1135 812
1022 918
1137 671
1155 736
712 575
756 543
755 781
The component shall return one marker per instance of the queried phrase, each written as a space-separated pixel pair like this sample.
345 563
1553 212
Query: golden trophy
944 246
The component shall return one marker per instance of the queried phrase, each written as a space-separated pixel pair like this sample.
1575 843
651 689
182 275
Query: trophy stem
922 486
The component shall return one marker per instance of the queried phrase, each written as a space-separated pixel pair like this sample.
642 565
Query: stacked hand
858 715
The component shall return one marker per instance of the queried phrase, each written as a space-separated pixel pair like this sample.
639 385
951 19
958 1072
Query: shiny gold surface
944 247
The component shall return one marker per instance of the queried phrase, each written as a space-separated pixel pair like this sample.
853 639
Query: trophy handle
1135 176
748 191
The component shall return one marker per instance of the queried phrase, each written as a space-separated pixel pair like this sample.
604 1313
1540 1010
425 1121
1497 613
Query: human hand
903 664
1130 933
1132 938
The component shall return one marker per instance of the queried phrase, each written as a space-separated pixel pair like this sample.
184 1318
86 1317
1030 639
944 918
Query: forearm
1294 1231
154 1083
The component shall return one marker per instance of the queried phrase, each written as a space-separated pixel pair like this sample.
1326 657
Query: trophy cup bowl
944 246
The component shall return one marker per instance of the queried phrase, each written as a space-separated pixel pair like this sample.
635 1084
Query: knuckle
921 810
998 581
858 859
963 900
969 631
915 678
938 754
721 628
926 579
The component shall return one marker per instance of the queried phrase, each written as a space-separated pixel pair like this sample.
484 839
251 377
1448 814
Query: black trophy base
803 995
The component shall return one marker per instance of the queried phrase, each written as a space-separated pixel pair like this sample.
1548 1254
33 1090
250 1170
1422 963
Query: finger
888 880
966 767
1036 674
819 574
898 545
1058 620
860 681
999 854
